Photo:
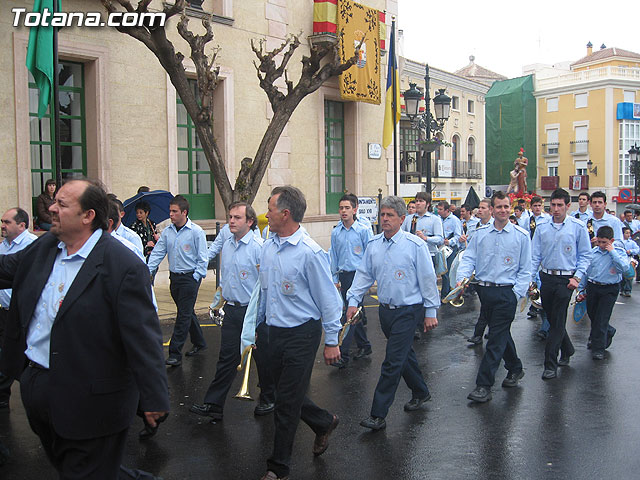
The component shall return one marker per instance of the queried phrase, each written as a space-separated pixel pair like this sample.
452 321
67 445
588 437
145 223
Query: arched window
471 150
455 146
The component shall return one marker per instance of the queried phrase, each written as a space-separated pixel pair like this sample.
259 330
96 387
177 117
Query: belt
33 364
603 284
346 271
390 307
183 273
565 273
491 284
236 304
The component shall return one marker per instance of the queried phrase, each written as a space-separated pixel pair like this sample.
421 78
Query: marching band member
583 213
602 280
240 259
537 217
631 249
298 300
407 291
600 218
452 228
561 247
348 243
500 255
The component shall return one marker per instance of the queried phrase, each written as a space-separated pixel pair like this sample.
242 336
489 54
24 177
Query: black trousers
555 298
481 324
600 302
357 331
184 291
5 382
261 354
499 306
400 360
94 458
292 352
229 356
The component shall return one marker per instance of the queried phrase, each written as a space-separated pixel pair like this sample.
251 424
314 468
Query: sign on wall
368 207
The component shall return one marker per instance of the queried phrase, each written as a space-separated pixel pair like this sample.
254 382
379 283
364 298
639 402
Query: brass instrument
216 312
454 297
243 393
534 295
345 328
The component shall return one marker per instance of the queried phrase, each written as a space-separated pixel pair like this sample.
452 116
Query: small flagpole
56 105
394 109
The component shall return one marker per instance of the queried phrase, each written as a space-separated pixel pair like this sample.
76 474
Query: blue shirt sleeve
158 253
202 259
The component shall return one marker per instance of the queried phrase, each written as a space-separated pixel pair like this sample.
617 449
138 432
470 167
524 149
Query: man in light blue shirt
469 222
630 222
349 241
298 300
631 248
185 245
399 262
601 218
424 224
583 213
562 250
15 230
500 255
452 228
240 260
609 262
537 216
124 231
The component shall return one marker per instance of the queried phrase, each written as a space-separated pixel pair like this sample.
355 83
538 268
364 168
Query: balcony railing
550 149
579 147
586 76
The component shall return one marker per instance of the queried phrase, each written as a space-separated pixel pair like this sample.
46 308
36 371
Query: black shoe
511 380
363 352
417 334
340 364
548 374
174 361
564 361
195 349
480 394
264 409
207 410
598 356
374 423
610 338
475 340
415 403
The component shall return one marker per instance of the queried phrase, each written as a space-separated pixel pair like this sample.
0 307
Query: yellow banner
355 22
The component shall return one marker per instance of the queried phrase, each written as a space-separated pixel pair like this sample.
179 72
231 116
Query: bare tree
322 63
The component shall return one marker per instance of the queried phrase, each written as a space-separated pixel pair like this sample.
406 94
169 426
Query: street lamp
425 120
633 163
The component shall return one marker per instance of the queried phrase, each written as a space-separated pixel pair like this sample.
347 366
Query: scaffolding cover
510 125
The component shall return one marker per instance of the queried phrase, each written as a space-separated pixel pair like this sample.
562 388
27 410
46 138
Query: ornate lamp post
634 162
425 120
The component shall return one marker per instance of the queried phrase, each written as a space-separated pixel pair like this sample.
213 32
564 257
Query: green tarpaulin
510 113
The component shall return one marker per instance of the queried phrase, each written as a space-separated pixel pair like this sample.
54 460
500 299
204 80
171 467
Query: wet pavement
583 424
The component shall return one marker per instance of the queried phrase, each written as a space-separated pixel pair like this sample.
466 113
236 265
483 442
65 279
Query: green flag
40 55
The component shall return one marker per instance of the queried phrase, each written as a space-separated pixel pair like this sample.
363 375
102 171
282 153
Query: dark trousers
5 382
555 298
499 306
600 302
357 331
481 324
400 360
446 282
184 291
229 356
261 354
94 458
292 352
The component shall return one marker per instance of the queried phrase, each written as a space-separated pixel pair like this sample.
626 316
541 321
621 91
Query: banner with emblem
355 23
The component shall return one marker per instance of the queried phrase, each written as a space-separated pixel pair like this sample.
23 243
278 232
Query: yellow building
583 131
123 124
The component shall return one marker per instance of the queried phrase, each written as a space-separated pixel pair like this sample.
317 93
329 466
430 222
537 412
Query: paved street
585 424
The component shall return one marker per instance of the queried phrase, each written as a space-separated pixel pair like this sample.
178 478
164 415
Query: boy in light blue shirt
632 250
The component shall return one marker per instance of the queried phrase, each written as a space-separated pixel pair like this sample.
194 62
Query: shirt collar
507 228
18 240
246 239
186 225
86 249
292 239
395 238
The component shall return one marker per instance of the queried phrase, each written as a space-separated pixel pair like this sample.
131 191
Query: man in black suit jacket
81 310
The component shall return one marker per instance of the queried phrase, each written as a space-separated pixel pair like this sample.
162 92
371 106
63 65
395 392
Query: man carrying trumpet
399 262
500 254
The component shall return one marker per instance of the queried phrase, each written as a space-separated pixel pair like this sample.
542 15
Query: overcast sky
505 35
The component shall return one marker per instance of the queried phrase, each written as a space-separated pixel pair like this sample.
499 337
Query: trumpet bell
243 393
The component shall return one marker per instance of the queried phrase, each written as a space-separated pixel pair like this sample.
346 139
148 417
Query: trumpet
216 313
534 294
347 325
243 393
455 298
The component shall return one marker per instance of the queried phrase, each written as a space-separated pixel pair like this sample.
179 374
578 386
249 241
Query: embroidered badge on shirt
508 260
243 274
399 274
613 271
357 249
568 249
287 287
186 247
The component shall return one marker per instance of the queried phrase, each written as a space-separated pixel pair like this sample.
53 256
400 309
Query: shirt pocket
401 273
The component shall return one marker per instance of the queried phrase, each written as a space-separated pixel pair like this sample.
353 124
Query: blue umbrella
157 199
